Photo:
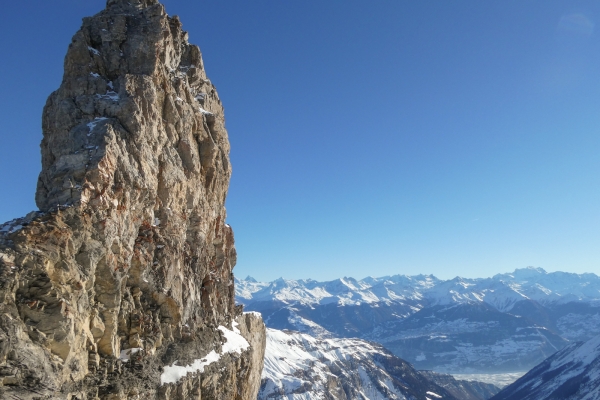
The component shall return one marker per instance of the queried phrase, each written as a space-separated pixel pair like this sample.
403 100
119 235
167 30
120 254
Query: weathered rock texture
130 248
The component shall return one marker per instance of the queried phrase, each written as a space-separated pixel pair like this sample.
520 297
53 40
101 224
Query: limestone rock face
127 268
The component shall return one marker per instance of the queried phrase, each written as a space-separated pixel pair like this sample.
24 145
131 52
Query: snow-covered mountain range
502 291
571 374
506 323
301 367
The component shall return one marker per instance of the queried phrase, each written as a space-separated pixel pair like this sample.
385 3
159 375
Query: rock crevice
127 268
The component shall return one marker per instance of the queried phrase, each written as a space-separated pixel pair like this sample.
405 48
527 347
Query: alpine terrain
507 323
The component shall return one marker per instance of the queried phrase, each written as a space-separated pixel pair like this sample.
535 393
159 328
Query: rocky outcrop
125 273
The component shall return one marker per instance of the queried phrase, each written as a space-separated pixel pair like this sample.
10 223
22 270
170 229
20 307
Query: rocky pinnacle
121 287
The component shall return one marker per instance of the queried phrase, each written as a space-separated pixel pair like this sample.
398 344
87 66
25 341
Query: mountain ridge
570 374
398 287
506 323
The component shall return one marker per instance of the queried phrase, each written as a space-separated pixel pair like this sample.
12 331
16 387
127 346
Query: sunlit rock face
127 269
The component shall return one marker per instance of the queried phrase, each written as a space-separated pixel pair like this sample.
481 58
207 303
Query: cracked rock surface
126 270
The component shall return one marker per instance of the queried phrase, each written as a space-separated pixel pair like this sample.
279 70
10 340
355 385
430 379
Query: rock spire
121 287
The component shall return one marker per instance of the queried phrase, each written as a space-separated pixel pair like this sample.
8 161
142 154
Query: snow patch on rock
235 343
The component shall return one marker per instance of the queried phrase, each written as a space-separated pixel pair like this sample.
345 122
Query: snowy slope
571 374
301 367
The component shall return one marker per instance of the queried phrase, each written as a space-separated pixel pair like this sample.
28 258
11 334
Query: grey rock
130 248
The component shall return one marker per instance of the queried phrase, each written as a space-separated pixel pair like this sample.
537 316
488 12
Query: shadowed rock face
572 373
130 249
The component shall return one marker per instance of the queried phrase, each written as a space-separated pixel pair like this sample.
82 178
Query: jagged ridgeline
121 287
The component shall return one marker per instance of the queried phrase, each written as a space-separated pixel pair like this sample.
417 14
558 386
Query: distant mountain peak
530 269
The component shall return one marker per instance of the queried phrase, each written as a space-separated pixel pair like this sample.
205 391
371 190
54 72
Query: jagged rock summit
121 287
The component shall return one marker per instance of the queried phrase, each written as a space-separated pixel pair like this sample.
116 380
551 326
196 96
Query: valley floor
500 380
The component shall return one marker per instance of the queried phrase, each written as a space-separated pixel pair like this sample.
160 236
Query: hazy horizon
444 278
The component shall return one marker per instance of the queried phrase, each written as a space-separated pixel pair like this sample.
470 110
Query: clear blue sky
371 137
